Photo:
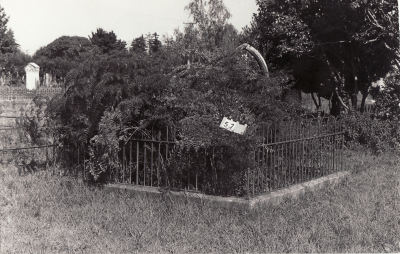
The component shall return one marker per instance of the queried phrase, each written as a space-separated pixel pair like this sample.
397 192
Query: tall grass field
45 213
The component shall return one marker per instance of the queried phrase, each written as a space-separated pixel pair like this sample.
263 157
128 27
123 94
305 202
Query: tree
7 41
61 55
106 41
209 25
66 47
110 97
12 60
155 44
138 45
332 48
14 64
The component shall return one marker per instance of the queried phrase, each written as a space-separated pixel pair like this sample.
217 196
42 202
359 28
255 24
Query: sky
37 23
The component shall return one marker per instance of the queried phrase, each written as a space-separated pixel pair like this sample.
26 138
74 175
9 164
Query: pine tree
149 40
106 41
155 44
138 45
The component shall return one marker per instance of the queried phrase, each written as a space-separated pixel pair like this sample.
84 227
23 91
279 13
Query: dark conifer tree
106 41
138 44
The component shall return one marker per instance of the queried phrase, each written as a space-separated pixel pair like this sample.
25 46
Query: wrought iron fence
290 153
297 152
287 153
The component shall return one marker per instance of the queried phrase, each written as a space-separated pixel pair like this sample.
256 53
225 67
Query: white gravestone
32 76
48 79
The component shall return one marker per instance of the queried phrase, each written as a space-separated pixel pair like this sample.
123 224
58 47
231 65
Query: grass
42 213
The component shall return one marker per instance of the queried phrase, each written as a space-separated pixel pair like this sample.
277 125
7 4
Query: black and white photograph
199 126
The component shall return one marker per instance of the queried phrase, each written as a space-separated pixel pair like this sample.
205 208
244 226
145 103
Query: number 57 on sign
233 126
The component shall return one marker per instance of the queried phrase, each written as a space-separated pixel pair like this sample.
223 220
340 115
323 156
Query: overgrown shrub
387 98
109 98
380 129
371 132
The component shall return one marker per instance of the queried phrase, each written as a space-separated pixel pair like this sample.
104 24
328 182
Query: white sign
233 126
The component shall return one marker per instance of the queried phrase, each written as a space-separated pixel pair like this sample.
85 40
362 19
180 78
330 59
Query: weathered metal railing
297 152
145 158
287 153
290 153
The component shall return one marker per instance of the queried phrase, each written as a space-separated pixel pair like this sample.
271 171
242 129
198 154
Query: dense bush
364 129
387 98
111 97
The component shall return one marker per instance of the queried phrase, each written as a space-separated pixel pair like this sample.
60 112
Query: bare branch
374 21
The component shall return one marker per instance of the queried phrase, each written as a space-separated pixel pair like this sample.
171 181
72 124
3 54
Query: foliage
112 96
62 55
154 44
13 65
106 41
387 98
35 123
328 46
66 47
210 20
12 60
138 45
376 134
7 40
104 146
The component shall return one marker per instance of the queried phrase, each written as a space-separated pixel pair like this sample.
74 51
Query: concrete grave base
242 203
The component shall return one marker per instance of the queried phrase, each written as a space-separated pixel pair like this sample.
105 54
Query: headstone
48 79
32 76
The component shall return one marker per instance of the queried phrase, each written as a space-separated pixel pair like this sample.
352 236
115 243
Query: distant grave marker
32 76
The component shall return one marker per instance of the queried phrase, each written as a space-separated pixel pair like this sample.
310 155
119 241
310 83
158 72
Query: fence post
47 157
123 164
144 163
137 162
84 165
130 162
248 182
158 164
151 164
77 168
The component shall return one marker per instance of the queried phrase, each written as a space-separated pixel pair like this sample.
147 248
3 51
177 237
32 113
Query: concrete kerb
274 198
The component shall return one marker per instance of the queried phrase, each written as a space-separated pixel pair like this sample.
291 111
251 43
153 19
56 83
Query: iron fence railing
287 153
290 153
297 152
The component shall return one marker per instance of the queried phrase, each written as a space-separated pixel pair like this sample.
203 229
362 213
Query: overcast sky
37 23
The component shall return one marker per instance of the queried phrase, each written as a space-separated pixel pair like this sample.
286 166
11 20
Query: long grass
43 213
